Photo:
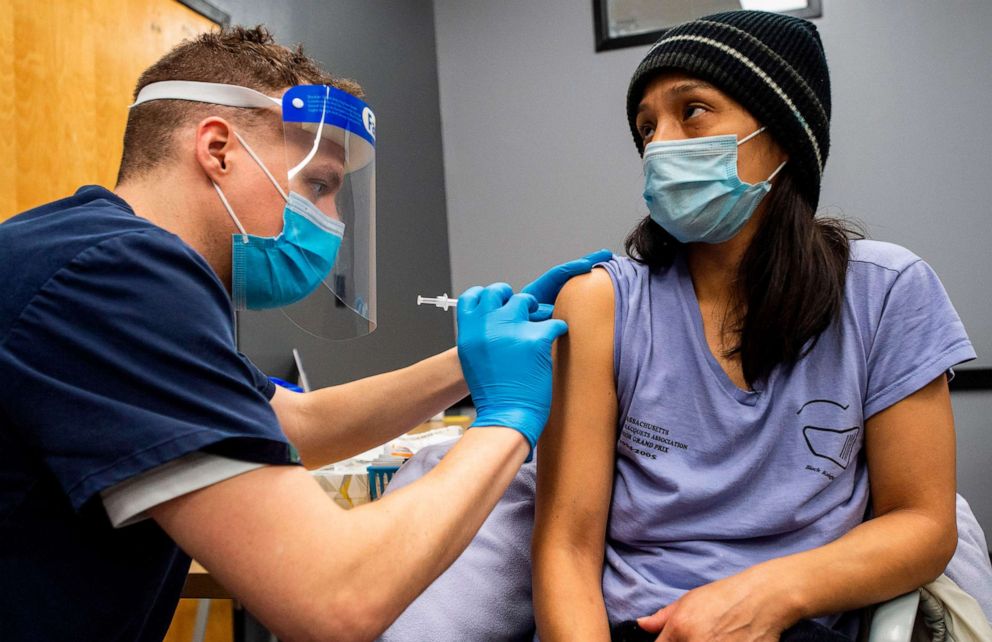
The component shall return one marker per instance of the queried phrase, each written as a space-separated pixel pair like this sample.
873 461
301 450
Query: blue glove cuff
523 421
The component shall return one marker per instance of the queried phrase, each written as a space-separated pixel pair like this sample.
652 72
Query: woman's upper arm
576 451
911 457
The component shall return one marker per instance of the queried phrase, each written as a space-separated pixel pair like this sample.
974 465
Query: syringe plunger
443 301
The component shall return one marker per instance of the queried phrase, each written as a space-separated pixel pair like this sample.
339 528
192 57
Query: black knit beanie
772 64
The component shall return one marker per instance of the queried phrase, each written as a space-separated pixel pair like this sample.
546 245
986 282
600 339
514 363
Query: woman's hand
740 608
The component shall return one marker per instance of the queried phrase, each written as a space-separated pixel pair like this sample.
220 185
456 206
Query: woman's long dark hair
790 284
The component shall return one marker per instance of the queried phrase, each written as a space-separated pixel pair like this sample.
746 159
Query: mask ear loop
751 135
777 170
254 157
230 210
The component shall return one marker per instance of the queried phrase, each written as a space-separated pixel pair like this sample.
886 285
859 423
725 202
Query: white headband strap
206 92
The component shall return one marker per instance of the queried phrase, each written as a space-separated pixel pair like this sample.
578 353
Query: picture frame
209 11
628 31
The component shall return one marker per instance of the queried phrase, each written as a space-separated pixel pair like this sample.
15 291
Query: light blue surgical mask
692 189
274 271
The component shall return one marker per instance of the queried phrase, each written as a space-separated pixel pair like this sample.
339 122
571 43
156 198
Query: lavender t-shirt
711 479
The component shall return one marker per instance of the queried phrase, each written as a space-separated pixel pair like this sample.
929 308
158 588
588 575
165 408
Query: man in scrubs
133 434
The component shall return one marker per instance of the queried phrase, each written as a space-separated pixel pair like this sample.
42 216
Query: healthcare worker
134 435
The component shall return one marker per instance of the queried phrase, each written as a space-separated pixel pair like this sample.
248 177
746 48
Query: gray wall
540 165
389 48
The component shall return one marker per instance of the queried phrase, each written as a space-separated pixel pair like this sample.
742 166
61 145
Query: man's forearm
312 571
415 533
340 421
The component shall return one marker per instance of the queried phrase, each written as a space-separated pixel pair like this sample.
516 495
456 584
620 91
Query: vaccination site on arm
305 335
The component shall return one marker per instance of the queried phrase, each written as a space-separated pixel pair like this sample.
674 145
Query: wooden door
67 73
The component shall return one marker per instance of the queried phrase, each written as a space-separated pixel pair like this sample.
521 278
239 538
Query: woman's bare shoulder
586 298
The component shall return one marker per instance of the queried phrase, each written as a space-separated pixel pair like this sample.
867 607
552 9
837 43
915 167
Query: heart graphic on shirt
829 443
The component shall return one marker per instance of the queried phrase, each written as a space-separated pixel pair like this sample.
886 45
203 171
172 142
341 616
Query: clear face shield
320 270
330 153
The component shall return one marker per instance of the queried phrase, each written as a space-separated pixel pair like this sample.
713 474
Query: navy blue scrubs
117 355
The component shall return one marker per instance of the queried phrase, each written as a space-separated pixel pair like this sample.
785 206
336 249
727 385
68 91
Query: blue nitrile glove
506 358
547 286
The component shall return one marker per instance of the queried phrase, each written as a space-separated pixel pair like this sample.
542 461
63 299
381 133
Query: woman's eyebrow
679 89
691 85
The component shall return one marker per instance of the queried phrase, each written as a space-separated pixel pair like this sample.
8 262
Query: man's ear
214 142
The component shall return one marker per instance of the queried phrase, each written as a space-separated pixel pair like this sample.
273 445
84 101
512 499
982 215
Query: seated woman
736 398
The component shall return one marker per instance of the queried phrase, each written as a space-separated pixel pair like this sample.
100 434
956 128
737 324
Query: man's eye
646 131
318 188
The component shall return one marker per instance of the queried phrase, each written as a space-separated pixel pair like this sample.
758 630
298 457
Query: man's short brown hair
242 56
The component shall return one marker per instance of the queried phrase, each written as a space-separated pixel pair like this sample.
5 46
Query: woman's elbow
943 550
934 541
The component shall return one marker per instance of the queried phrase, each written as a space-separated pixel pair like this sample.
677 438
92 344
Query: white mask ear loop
750 136
230 210
254 157
777 170
316 140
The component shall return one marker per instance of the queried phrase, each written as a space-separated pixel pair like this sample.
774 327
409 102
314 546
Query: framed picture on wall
631 23
209 10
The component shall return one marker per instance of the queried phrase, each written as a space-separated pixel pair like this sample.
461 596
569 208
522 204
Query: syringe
442 301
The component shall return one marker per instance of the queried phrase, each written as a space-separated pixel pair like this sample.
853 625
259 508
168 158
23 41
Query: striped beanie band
772 64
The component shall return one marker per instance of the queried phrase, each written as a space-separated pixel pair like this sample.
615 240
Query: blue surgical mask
692 189
274 271
270 272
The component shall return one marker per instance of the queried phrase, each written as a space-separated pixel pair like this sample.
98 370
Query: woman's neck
714 270
714 267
